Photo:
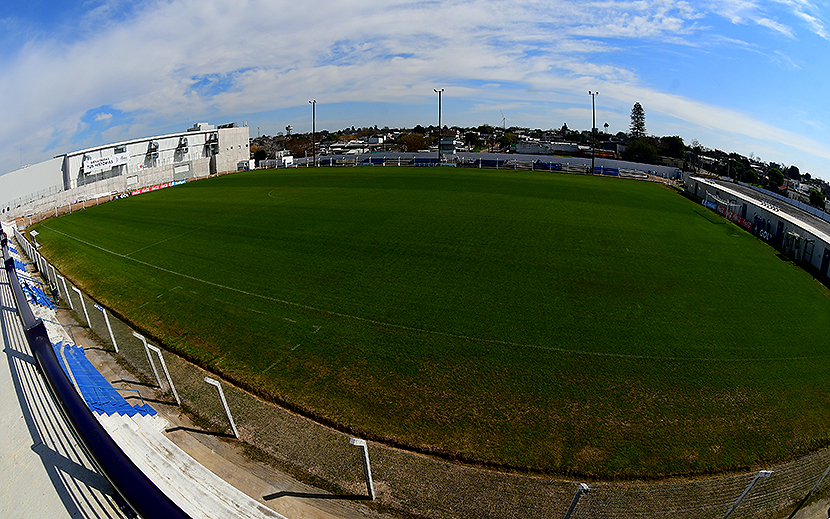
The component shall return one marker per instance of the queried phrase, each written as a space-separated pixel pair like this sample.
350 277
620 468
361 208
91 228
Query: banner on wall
104 163
735 217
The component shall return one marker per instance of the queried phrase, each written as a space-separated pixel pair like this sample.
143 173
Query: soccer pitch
566 324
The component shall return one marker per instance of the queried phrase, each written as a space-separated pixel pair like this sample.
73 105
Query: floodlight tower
593 128
438 91
313 104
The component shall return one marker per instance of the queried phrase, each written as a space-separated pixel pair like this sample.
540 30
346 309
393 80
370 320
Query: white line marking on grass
257 311
295 347
164 240
269 367
435 332
289 320
316 328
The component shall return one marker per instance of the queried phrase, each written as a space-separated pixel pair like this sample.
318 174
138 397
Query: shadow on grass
310 495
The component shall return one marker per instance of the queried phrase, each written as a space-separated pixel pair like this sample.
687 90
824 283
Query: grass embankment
567 324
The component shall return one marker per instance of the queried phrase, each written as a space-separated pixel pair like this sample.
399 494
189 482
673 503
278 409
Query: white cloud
180 61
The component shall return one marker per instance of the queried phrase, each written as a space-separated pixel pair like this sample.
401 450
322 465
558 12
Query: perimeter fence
422 486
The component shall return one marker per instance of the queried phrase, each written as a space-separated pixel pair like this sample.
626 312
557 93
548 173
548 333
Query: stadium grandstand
123 167
800 231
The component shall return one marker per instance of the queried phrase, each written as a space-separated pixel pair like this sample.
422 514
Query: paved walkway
43 470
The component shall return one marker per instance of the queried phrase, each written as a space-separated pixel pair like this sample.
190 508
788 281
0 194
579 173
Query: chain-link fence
423 486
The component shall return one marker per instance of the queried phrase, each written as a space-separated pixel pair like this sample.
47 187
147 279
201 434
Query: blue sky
737 75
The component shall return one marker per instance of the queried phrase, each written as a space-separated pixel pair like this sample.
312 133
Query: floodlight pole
218 386
593 128
439 91
761 474
313 104
109 328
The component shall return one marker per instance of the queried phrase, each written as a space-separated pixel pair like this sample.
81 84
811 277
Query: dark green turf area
562 323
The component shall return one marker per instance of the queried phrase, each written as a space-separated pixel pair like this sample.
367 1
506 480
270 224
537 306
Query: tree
471 139
672 146
412 142
793 173
816 199
776 178
637 130
259 153
640 151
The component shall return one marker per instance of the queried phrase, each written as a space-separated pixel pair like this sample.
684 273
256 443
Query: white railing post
149 357
367 468
66 291
109 328
218 386
83 305
761 474
582 489
166 373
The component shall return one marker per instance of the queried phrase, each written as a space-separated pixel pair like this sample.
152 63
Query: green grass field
566 324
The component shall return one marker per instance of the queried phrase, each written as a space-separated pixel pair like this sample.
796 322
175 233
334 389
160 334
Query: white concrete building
123 166
800 231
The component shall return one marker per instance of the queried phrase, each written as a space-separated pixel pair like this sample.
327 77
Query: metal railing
135 487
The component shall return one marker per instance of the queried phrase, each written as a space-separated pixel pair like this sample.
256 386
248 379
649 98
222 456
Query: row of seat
100 395
36 295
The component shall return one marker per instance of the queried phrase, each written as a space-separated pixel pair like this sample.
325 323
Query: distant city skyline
745 76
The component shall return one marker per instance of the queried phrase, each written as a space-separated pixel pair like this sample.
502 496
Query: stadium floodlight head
99 307
764 473
357 441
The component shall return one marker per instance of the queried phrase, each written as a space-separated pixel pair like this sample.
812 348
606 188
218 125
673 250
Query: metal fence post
109 328
86 314
166 373
367 468
149 357
797 508
216 383
66 291
761 474
581 489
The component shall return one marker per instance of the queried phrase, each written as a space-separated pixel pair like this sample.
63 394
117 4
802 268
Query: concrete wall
29 183
770 215
199 152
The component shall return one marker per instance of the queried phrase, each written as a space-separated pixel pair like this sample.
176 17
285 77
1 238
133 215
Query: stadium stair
198 491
